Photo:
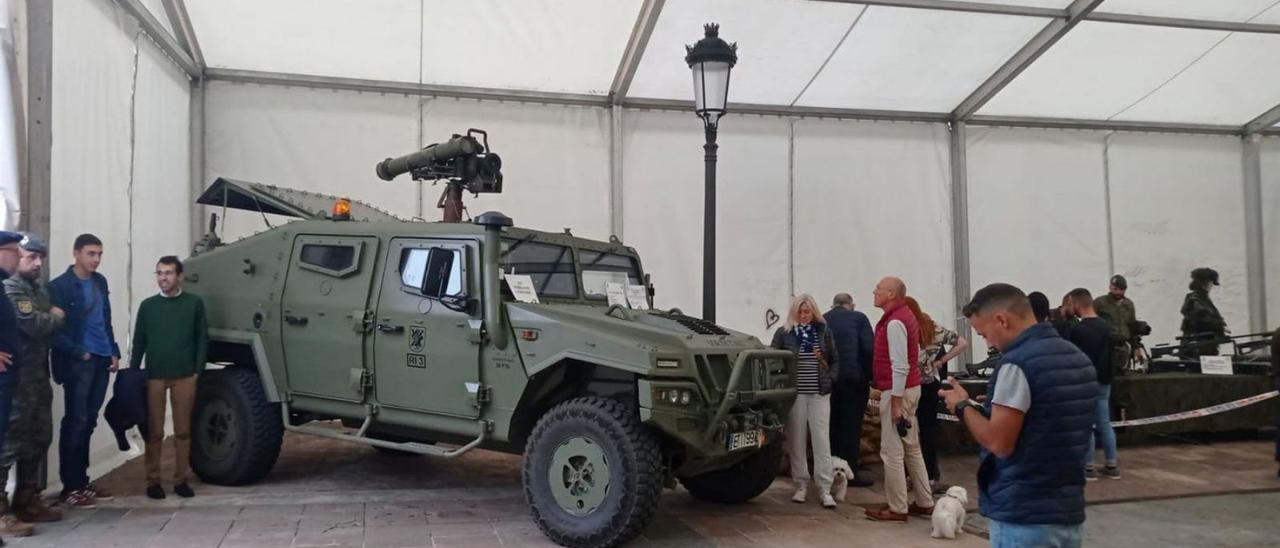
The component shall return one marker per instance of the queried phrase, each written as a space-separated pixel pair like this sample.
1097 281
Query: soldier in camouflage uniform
1200 316
1121 315
30 422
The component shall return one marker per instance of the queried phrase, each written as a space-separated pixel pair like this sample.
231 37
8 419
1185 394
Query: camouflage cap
1205 275
33 244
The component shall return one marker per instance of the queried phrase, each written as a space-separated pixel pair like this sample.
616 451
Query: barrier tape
1204 412
1176 416
1194 413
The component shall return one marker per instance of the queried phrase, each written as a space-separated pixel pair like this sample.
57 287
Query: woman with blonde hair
806 335
934 356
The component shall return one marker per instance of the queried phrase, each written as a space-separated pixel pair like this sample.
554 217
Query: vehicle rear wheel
235 432
738 483
592 473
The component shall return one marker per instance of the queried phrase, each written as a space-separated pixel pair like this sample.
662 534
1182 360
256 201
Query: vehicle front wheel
738 483
235 431
592 473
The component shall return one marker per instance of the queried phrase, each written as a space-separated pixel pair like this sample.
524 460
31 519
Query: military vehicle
407 336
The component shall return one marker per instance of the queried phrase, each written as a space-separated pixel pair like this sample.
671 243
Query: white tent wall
1177 203
873 199
663 203
318 140
1271 225
120 166
1037 211
552 157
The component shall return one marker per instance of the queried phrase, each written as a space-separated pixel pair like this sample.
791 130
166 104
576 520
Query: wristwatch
960 407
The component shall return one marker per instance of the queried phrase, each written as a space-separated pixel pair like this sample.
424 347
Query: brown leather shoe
918 511
883 513
30 508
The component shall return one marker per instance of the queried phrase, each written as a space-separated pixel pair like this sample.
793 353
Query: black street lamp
711 60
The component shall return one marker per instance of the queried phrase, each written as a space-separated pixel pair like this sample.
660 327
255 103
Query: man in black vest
1034 426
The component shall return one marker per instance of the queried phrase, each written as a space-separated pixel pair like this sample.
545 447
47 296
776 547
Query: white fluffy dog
948 513
843 473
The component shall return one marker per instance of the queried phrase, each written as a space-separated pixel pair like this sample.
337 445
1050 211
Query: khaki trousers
182 397
811 414
903 454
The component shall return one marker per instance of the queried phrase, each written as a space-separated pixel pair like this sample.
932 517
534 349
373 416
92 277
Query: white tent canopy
1186 62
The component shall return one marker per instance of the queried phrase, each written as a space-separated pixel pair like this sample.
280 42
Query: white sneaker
802 494
827 501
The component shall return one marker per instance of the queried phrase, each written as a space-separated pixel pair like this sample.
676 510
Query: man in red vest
896 351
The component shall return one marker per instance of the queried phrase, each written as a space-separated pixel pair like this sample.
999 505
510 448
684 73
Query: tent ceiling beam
1103 125
176 10
636 46
1032 50
405 88
1229 26
959 5
603 101
1032 11
168 44
1264 121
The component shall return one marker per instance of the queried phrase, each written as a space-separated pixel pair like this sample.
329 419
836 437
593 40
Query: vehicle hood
626 339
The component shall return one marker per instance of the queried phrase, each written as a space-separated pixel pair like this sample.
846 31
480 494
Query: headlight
669 363
675 396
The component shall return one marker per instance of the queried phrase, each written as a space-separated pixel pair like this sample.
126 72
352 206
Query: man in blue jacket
1033 427
851 332
85 354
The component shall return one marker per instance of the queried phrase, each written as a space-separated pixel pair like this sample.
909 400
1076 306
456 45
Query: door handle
295 320
388 328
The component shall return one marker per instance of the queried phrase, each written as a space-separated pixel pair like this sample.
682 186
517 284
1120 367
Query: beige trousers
902 454
182 397
811 417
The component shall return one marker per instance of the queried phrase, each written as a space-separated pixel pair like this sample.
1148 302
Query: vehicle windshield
600 268
551 268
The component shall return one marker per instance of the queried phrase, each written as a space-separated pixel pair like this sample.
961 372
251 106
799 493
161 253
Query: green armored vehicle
407 336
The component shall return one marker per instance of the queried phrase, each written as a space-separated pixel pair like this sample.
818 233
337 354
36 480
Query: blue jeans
84 388
1102 427
1013 535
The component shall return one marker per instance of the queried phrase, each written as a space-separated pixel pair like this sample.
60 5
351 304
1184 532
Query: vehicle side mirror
436 279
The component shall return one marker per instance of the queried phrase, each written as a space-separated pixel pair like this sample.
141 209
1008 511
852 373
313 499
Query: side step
408 447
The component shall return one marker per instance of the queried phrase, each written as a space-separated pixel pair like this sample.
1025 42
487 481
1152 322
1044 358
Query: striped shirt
807 361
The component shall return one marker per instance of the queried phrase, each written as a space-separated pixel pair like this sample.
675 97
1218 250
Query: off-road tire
738 483
253 435
635 472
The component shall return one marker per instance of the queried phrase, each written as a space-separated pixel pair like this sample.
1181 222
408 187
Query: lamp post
711 60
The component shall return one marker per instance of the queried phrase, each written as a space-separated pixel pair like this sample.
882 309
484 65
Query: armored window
550 267
436 271
332 259
600 268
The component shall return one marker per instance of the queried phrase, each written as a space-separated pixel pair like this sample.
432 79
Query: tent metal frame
184 51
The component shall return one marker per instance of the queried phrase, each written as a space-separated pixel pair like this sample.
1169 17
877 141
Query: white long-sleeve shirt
898 357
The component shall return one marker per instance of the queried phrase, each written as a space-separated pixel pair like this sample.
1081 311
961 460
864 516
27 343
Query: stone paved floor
328 493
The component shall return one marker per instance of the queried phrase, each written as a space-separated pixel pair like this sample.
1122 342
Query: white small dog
843 473
948 513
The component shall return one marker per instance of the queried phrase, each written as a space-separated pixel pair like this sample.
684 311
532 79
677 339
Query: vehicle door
427 340
323 314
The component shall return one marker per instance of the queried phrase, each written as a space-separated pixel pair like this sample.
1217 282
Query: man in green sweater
171 334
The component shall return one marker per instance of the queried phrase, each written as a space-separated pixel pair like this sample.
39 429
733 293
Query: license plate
743 440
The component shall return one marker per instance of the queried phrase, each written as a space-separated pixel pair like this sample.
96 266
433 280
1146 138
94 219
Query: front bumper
751 399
